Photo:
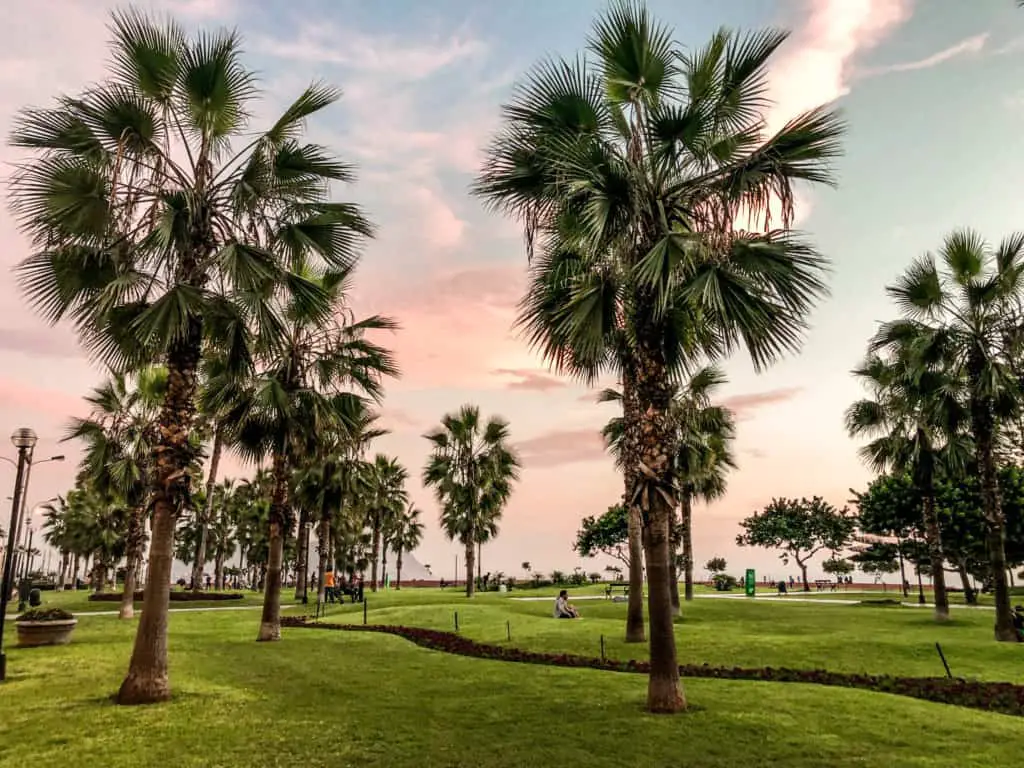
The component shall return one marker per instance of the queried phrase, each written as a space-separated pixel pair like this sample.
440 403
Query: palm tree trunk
65 561
218 569
934 541
479 561
384 560
302 557
375 555
653 436
324 548
635 630
207 514
99 576
147 680
270 621
136 543
673 563
470 562
983 428
398 568
965 579
687 524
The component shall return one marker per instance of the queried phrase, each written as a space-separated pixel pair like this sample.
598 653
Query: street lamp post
24 440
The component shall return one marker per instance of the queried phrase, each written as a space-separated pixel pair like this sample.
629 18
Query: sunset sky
933 91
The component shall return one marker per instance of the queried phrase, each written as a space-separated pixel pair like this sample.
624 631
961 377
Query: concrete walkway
205 609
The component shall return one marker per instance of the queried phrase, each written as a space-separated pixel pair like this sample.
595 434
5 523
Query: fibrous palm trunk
324 548
136 542
65 561
147 680
376 552
398 568
218 569
687 533
470 558
656 483
934 541
982 424
635 630
302 557
270 621
673 564
205 515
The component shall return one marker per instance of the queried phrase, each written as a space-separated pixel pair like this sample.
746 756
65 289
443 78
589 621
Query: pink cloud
563 446
744 404
18 397
530 381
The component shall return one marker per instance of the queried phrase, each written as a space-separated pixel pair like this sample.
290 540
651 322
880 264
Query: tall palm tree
221 528
471 468
958 307
638 163
308 393
704 434
119 434
55 533
915 419
407 536
385 497
159 221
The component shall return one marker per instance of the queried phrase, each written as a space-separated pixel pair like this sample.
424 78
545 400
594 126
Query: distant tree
876 558
594 577
837 566
800 528
715 565
606 535
558 577
527 567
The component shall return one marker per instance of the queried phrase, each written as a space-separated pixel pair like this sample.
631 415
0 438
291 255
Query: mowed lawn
338 699
731 632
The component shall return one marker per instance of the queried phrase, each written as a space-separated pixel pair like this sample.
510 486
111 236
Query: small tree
715 565
607 535
527 568
837 566
800 528
594 577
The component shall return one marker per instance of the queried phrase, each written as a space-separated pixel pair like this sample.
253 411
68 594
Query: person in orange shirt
329 586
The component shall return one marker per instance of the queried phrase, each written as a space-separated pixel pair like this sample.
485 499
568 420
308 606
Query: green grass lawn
730 632
339 699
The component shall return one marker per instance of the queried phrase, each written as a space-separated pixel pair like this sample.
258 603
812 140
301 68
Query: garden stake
943 657
456 621
508 630
364 611
602 647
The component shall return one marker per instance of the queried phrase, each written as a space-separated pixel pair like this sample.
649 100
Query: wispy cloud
563 446
743 405
970 46
529 381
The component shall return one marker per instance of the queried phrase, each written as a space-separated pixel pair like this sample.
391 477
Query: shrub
724 582
46 614
594 577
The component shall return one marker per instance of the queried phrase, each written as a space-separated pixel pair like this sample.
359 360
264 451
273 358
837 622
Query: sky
933 91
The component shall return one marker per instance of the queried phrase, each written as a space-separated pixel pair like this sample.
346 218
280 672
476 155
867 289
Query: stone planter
35 633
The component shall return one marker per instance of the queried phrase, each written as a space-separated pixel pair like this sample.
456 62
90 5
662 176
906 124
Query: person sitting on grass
562 608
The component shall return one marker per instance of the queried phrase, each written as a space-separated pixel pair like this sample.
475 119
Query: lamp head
59 457
24 438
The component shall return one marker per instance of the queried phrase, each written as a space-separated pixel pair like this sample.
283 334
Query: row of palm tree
946 387
632 171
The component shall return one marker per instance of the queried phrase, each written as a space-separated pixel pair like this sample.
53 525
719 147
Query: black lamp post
24 440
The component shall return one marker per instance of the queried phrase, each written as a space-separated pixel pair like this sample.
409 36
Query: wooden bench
825 585
623 585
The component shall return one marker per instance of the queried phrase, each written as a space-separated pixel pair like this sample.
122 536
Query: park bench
623 585
823 584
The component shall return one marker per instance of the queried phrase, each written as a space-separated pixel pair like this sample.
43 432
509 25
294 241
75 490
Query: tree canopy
607 535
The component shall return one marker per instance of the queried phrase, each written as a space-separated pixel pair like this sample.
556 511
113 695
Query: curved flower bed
1007 698
175 597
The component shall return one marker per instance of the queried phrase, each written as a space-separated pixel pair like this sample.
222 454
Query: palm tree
154 236
119 434
307 396
471 468
703 455
385 497
221 528
630 170
55 533
960 316
407 536
916 420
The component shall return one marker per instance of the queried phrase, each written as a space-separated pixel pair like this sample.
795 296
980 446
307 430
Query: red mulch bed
176 597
